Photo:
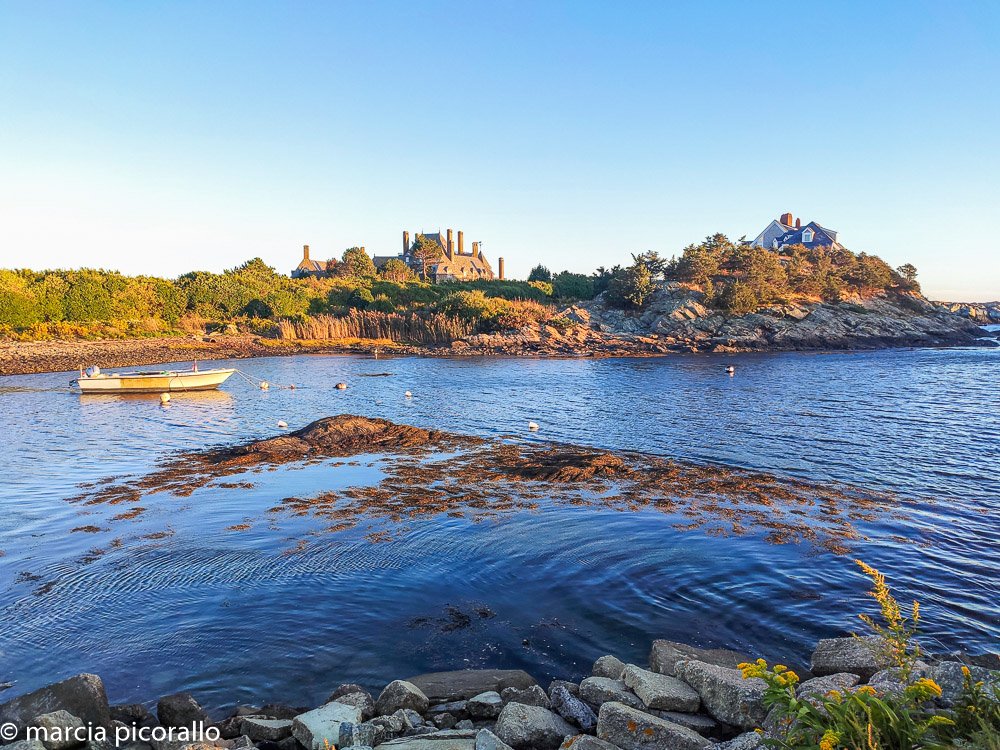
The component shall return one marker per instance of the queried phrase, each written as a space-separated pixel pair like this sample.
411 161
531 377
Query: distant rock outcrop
983 313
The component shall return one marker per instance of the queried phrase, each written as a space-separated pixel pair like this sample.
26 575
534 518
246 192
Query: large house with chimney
786 231
453 263
308 267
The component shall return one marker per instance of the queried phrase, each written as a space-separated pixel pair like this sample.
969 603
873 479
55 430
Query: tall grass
407 328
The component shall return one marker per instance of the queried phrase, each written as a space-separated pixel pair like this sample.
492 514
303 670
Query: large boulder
82 696
523 727
631 729
858 656
703 724
950 677
260 729
60 730
820 686
440 687
571 708
401 694
598 690
608 666
180 710
745 741
362 699
664 656
661 691
315 728
359 735
725 694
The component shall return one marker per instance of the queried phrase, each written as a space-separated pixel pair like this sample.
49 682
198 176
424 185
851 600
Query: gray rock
361 699
444 720
410 718
280 711
449 739
25 745
60 730
486 740
323 723
725 694
465 724
82 696
661 691
598 690
948 674
393 725
664 655
572 687
259 729
820 686
346 689
608 666
465 683
485 705
703 724
631 729
180 710
242 743
529 696
854 655
452 707
746 741
289 743
357 735
401 694
586 742
130 713
522 727
571 708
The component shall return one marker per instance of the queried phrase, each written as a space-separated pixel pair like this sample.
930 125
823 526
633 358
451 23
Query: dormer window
808 235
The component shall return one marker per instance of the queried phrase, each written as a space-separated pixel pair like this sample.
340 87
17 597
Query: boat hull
154 382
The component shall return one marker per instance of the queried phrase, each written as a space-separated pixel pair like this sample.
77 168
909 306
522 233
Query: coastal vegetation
732 277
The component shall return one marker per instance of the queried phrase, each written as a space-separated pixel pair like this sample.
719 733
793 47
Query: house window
808 235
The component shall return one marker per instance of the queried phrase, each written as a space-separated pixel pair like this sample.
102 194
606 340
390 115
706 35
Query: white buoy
164 398
282 425
731 370
341 386
408 394
533 426
264 385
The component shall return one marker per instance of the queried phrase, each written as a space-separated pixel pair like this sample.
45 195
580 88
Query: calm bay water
235 617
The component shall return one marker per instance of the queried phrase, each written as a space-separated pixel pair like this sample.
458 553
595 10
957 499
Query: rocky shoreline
676 318
685 698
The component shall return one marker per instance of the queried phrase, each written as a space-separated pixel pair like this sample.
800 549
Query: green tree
571 286
396 270
739 298
632 288
908 271
651 259
425 251
540 273
356 263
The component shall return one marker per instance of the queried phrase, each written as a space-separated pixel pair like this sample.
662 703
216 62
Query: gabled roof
311 266
821 236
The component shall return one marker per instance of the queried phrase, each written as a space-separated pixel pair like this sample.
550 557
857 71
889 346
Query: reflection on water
216 592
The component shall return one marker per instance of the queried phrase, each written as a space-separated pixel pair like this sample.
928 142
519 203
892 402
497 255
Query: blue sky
158 137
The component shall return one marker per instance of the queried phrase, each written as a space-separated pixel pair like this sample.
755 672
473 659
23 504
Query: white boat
163 381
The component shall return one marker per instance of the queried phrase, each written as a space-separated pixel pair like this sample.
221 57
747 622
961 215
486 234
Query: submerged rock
463 684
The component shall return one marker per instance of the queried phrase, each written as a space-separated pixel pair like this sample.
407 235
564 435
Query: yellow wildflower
866 690
966 672
829 741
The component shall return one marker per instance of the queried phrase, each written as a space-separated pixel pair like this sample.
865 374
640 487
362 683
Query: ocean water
174 599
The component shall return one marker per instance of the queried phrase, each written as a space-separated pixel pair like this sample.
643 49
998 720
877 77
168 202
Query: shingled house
787 231
453 263
308 267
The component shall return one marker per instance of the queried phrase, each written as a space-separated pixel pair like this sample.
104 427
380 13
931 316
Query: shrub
572 286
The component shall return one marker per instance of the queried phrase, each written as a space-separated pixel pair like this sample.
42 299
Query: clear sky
160 137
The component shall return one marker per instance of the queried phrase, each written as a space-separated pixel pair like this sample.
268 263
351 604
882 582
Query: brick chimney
449 248
406 242
786 219
305 252
500 268
798 223
461 242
